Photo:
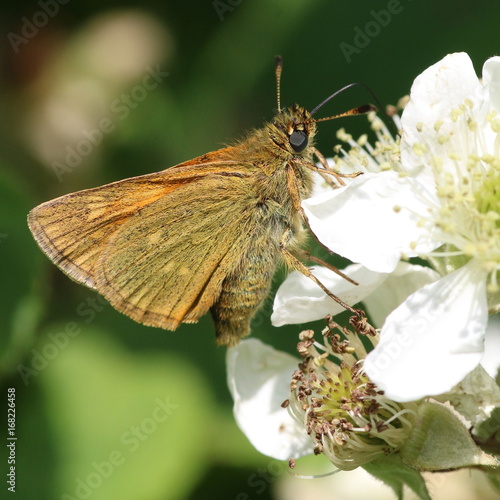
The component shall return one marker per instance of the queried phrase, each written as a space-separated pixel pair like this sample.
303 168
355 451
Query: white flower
336 410
328 405
349 420
442 202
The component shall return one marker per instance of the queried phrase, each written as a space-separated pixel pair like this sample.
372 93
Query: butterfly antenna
278 69
360 110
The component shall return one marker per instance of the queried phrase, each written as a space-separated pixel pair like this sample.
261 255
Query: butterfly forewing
132 240
72 229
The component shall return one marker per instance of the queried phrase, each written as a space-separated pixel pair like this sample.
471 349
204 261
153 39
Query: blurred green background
107 408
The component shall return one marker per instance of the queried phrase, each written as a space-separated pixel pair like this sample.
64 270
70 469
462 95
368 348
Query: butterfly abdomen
245 289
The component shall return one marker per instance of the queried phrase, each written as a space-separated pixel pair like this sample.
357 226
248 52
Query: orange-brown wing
156 246
73 229
166 264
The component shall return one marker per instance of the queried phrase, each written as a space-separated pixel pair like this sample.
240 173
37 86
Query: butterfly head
294 129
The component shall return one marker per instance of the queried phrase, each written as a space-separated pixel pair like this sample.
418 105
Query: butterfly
205 235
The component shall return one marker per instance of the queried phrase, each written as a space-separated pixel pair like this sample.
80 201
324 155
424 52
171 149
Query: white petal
399 285
432 340
434 94
491 81
259 381
359 222
300 300
491 356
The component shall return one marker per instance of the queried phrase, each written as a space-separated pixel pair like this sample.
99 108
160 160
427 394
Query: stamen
348 418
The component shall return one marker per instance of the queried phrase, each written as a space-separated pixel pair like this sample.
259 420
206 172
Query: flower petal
259 381
399 285
432 340
491 81
491 356
435 93
360 222
300 300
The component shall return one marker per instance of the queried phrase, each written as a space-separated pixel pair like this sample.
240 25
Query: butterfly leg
293 261
292 186
296 264
306 255
328 170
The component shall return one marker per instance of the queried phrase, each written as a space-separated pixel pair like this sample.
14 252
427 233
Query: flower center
348 418
465 162
489 201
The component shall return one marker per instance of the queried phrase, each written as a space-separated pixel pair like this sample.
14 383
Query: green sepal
394 473
440 441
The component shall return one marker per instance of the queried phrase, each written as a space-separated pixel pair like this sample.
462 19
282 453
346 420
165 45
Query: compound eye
298 140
